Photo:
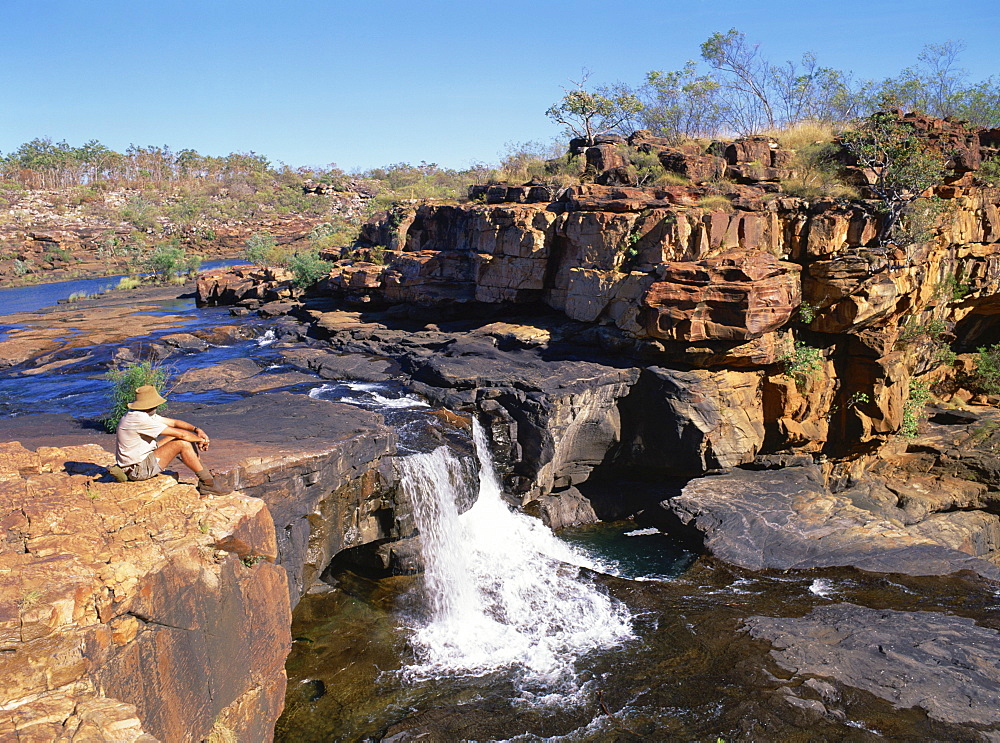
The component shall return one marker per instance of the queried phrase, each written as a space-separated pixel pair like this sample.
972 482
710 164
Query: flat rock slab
237 375
787 519
298 454
946 665
110 319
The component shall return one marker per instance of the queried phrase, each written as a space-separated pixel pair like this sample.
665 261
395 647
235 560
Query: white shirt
137 432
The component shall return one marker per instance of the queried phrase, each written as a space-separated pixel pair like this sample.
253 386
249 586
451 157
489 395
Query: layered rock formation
134 612
695 327
143 612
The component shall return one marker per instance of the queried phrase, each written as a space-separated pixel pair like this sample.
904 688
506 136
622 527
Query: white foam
503 591
642 532
822 587
370 397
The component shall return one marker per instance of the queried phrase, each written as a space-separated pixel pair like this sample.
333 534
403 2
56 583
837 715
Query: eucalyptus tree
589 113
902 164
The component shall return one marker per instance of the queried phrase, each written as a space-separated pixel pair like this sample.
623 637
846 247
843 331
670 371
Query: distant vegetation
743 93
163 205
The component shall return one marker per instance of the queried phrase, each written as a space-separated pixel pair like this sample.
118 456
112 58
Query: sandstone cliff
134 612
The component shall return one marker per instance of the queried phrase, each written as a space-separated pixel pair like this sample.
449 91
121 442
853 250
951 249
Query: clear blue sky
374 82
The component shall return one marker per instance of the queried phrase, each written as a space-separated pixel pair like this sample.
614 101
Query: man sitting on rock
138 454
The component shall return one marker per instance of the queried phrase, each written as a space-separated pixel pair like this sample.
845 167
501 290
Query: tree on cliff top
587 114
904 167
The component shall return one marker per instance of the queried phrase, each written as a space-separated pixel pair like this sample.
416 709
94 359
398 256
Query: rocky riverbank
738 377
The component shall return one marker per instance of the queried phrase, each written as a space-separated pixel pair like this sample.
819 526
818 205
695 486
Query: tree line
42 163
743 93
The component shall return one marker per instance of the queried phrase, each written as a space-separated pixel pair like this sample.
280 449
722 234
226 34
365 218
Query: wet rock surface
946 665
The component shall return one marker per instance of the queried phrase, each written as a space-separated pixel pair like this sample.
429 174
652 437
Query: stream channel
607 632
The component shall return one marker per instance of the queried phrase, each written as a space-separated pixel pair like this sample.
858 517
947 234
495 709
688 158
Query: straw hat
146 398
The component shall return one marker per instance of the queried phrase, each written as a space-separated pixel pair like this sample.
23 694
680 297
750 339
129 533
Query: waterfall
502 591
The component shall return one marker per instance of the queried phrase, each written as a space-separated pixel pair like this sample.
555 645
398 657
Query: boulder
697 168
943 664
787 519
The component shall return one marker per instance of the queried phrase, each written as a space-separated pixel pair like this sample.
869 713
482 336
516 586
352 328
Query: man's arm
186 432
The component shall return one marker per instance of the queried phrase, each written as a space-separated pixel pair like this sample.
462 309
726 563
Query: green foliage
335 234
858 398
167 260
903 165
125 381
128 282
914 329
262 250
989 172
308 268
681 104
913 408
802 363
817 174
807 312
919 220
58 253
424 181
140 213
539 163
648 168
952 289
589 113
22 267
987 374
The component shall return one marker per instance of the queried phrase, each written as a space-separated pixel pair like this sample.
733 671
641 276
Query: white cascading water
502 590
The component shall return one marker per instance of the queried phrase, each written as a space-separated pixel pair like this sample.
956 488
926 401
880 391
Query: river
36 296
610 632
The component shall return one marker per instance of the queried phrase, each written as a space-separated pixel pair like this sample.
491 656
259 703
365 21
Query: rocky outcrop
788 519
249 286
322 468
134 612
943 664
733 296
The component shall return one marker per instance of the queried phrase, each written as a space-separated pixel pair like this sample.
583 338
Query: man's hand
203 441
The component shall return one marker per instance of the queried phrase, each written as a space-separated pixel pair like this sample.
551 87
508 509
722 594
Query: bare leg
171 448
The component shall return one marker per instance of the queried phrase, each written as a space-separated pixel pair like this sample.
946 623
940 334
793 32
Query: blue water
37 296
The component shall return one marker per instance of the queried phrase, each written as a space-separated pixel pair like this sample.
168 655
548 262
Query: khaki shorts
147 468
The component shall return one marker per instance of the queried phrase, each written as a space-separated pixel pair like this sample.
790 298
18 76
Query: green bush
989 172
913 408
308 268
262 249
166 261
125 381
802 362
140 213
987 374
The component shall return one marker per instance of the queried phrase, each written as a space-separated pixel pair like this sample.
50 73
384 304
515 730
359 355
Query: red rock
698 168
735 296
124 616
